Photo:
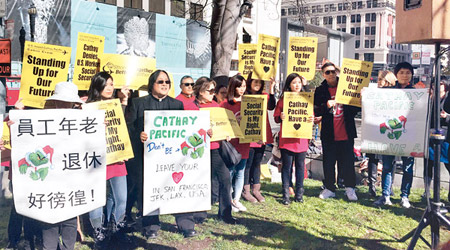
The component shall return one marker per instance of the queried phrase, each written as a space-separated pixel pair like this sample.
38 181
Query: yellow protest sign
132 71
253 118
223 124
355 75
87 59
247 56
6 136
118 146
44 66
266 57
302 56
298 108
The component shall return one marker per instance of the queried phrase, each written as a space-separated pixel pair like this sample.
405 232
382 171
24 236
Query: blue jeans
237 179
115 204
389 170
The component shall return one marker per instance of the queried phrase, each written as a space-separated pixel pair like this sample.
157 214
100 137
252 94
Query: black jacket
321 97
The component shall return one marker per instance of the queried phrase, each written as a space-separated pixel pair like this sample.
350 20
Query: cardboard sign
87 60
254 116
5 57
177 164
58 162
298 108
394 121
302 56
247 56
355 75
118 145
223 124
132 71
44 66
266 57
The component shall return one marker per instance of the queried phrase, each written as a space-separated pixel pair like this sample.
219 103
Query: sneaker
326 193
383 201
405 202
239 206
351 194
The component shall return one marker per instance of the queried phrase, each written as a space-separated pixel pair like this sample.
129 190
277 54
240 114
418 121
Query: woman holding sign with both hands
292 149
102 88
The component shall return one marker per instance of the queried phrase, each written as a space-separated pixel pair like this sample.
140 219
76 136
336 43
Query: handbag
230 156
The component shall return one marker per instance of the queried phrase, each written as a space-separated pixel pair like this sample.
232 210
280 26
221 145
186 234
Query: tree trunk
226 16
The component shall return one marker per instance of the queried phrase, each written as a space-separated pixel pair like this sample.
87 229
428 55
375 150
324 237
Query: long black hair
249 81
287 83
98 83
152 79
234 82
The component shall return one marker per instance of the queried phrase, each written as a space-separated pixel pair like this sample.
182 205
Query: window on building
346 6
369 4
387 58
369 57
234 65
332 7
326 8
366 43
358 31
248 13
292 11
358 18
374 17
340 6
372 43
157 6
196 11
135 4
283 12
177 8
344 30
353 18
338 19
367 32
374 3
357 44
368 17
319 9
114 2
314 9
372 30
354 6
246 38
360 5
352 31
344 19
356 56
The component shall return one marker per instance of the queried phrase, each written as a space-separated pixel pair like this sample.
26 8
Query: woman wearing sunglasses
293 150
187 90
337 134
256 153
204 93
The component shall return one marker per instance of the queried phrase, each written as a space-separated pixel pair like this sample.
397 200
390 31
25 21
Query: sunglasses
330 72
211 91
162 82
189 83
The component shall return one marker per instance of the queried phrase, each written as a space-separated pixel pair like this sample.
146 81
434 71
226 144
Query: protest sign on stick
298 108
253 121
44 66
355 75
118 145
266 57
302 56
132 71
87 60
177 166
394 121
247 56
58 162
223 124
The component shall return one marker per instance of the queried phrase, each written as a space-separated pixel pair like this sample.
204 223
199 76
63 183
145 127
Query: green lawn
314 224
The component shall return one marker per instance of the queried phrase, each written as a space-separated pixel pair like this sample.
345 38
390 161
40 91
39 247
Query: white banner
177 165
58 162
394 121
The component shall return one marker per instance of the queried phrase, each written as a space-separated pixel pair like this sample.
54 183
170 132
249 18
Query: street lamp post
22 42
32 12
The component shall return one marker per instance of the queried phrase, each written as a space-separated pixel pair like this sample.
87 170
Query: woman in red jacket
256 153
292 149
236 89
204 94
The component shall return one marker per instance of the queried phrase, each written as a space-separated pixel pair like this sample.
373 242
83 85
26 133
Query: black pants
342 153
372 167
51 232
287 157
134 187
214 189
253 166
221 172
185 221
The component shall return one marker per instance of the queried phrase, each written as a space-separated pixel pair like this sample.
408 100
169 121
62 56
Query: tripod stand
435 210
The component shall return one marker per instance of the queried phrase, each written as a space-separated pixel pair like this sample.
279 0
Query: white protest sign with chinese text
394 121
58 162
176 162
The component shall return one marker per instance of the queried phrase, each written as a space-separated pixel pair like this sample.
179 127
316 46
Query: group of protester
228 183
